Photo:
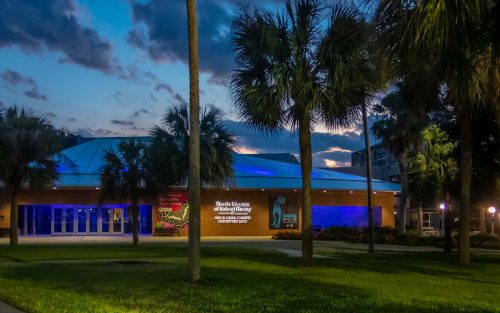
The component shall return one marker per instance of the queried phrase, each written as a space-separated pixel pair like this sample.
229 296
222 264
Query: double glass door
87 221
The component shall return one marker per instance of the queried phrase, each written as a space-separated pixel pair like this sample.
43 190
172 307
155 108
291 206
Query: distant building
384 165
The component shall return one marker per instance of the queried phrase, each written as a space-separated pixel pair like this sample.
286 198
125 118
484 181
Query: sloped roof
282 157
80 166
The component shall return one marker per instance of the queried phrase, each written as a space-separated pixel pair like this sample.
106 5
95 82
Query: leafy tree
27 143
126 176
294 71
433 168
459 40
400 130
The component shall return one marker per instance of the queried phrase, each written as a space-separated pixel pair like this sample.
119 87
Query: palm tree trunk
466 173
482 218
420 217
306 167
194 183
14 216
447 224
403 199
134 210
371 239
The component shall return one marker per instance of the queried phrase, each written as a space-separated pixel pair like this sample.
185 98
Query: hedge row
389 235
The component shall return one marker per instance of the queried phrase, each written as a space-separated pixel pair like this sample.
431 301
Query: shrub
287 235
485 241
339 233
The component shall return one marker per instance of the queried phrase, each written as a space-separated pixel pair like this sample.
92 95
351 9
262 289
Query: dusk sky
111 68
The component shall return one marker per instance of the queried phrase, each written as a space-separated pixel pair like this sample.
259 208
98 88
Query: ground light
492 210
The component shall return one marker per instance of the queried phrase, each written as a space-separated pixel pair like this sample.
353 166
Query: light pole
442 207
492 210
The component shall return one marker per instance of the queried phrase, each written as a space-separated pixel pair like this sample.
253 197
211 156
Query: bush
485 241
287 235
338 233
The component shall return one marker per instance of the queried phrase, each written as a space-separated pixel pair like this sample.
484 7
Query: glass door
93 220
57 221
117 220
82 221
69 219
106 220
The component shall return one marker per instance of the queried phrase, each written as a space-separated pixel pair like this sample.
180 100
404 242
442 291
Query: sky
113 67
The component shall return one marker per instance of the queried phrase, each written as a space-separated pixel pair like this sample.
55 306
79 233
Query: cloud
123 123
50 115
164 86
33 93
326 146
88 132
72 119
160 29
176 97
138 112
37 24
14 79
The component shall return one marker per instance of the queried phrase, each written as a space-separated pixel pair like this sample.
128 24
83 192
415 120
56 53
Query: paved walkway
5 308
208 241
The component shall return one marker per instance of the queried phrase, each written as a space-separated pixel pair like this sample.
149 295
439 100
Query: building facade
263 198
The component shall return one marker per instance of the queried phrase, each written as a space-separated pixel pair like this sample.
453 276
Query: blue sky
111 68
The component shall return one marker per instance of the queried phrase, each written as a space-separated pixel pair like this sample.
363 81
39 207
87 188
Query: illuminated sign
283 211
173 210
232 212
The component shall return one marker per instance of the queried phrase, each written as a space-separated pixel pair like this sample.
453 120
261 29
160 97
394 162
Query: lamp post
492 210
442 207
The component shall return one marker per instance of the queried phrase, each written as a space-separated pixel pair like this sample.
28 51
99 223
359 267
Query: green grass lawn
151 278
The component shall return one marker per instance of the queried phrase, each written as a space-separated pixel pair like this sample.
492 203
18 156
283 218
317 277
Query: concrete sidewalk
241 242
5 308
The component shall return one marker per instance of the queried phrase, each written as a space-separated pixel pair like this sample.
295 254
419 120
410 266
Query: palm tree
460 40
171 146
433 168
294 71
194 183
400 130
125 176
27 143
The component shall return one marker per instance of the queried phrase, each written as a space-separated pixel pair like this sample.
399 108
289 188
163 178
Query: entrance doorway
70 220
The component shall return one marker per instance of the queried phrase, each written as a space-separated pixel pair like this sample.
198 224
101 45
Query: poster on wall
173 210
283 211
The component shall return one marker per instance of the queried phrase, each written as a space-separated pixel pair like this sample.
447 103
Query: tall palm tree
460 40
295 71
194 183
125 176
27 143
171 146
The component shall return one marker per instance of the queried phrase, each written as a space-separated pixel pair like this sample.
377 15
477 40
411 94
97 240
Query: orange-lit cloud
245 150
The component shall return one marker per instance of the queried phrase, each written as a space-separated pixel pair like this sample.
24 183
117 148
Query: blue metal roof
80 166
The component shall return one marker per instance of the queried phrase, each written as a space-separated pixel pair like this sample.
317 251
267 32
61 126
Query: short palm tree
171 146
27 144
433 168
297 69
126 176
